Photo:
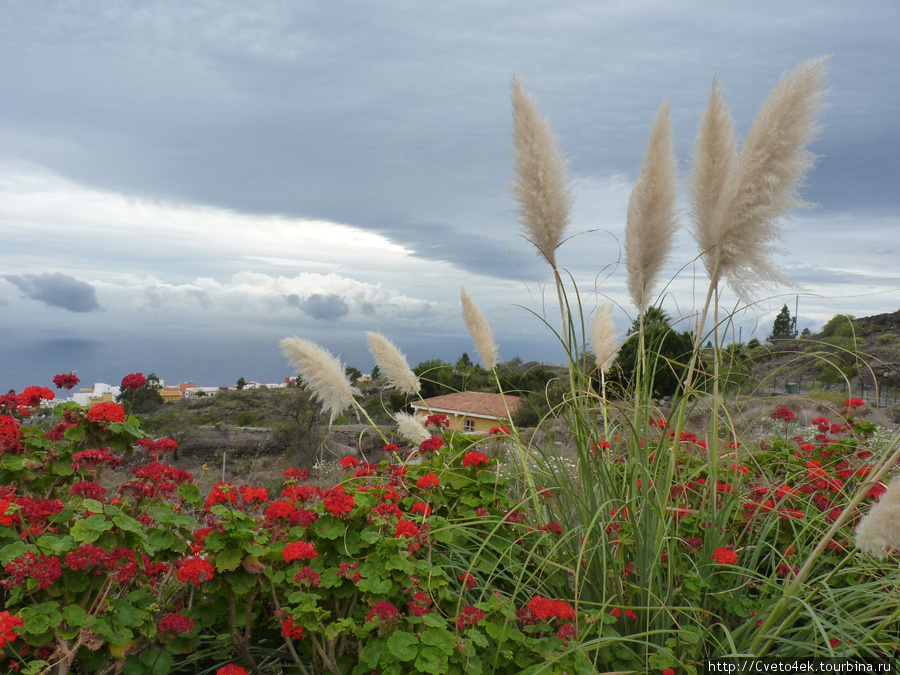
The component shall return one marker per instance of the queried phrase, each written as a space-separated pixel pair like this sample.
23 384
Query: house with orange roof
469 410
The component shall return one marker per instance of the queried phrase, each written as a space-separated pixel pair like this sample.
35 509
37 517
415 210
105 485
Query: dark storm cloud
57 290
321 307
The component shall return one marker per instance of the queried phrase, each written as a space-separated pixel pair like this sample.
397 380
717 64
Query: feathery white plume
322 373
541 188
604 338
480 331
411 428
736 233
394 364
651 220
880 528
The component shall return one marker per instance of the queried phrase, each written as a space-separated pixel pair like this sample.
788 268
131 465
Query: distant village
101 392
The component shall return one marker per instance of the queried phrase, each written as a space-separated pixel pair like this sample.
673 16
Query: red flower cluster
299 550
221 493
469 581
725 556
308 577
785 414
546 609
31 397
470 616
428 482
385 611
296 474
89 460
66 381
437 421
337 502
391 447
289 630
196 570
405 528
349 462
253 494
617 613
134 381
8 624
501 430
231 669
45 569
175 624
475 459
433 444
106 412
853 403
159 446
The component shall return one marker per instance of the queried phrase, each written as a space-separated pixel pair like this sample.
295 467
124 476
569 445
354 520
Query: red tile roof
472 403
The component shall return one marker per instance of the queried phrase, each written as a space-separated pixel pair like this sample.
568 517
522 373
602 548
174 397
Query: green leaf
191 494
160 538
126 614
398 562
56 544
431 660
370 535
440 638
434 620
75 616
129 524
63 467
89 529
229 558
92 505
403 646
376 586
329 527
373 651
13 462
74 434
11 551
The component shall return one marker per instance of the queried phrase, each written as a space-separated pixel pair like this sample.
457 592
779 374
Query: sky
182 185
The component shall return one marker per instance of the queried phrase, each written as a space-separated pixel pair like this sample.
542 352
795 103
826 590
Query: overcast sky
184 184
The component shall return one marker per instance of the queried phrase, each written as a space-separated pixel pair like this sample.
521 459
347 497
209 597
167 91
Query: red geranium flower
475 459
175 624
428 482
546 609
337 502
499 430
231 669
384 610
405 528
433 444
391 447
196 570
31 397
296 474
854 403
470 616
8 624
299 550
349 462
88 460
134 381
785 414
106 412
288 629
66 381
725 556
437 420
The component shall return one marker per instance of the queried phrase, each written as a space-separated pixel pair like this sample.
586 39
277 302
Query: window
469 425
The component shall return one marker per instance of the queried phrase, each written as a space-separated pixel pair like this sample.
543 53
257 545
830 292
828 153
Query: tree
241 383
145 400
784 327
376 372
353 373
668 354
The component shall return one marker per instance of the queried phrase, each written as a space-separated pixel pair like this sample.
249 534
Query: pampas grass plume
738 221
392 361
480 331
540 187
322 373
880 528
604 338
651 220
411 428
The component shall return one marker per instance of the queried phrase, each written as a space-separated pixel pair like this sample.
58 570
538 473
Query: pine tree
784 327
